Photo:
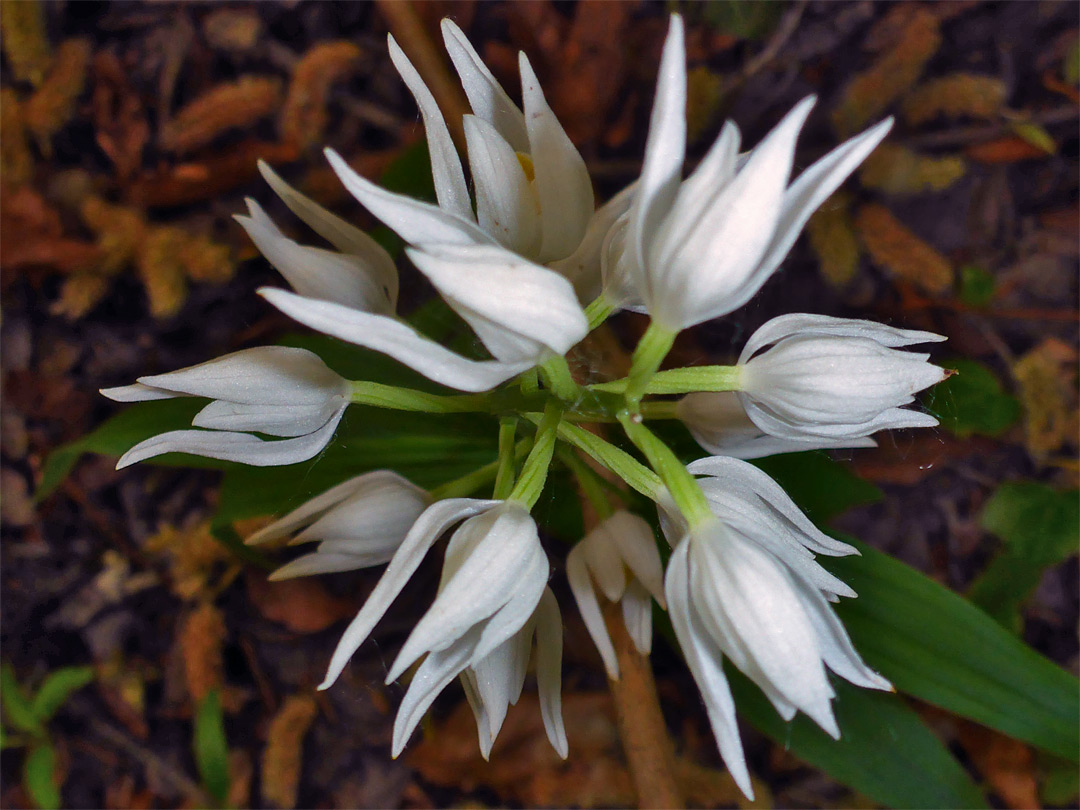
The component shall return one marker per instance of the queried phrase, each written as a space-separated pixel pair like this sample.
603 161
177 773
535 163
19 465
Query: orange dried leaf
232 29
120 125
1010 149
50 108
832 238
895 248
195 558
203 259
158 263
1046 378
16 163
201 638
302 605
868 95
284 750
236 105
899 170
1008 765
957 95
22 28
304 117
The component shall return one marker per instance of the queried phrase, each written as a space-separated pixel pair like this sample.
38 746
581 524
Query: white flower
718 421
275 390
521 311
494 577
746 586
700 248
359 523
620 556
834 378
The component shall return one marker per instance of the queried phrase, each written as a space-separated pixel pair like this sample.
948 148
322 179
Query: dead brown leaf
913 40
1046 377
957 95
1010 149
302 605
1007 764
832 237
120 125
198 564
894 247
51 107
41 243
304 116
201 638
22 27
898 170
162 274
16 163
234 105
283 754
235 30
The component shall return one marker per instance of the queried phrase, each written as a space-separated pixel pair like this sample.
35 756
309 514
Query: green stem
683 487
535 470
683 381
624 465
660 409
556 373
530 381
649 354
504 477
598 311
592 487
362 392
470 482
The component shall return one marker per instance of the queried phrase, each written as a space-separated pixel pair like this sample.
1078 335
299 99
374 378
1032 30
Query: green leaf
1035 134
18 711
1039 527
1070 68
119 434
885 750
211 747
977 286
743 19
933 644
1060 783
410 173
57 688
972 401
39 778
822 488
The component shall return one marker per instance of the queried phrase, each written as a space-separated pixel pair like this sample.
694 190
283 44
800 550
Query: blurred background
129 133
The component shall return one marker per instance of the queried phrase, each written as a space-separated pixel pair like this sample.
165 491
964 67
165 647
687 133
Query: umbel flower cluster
523 256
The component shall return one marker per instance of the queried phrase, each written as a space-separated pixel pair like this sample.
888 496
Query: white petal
604 561
309 510
506 203
581 585
702 274
339 233
239 447
377 516
502 544
583 267
798 323
320 562
513 616
516 307
316 272
430 679
549 669
665 149
637 616
562 181
891 419
749 479
493 677
637 547
486 96
427 529
476 703
275 420
418 223
812 188
446 171
137 392
397 340
267 375
706 668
